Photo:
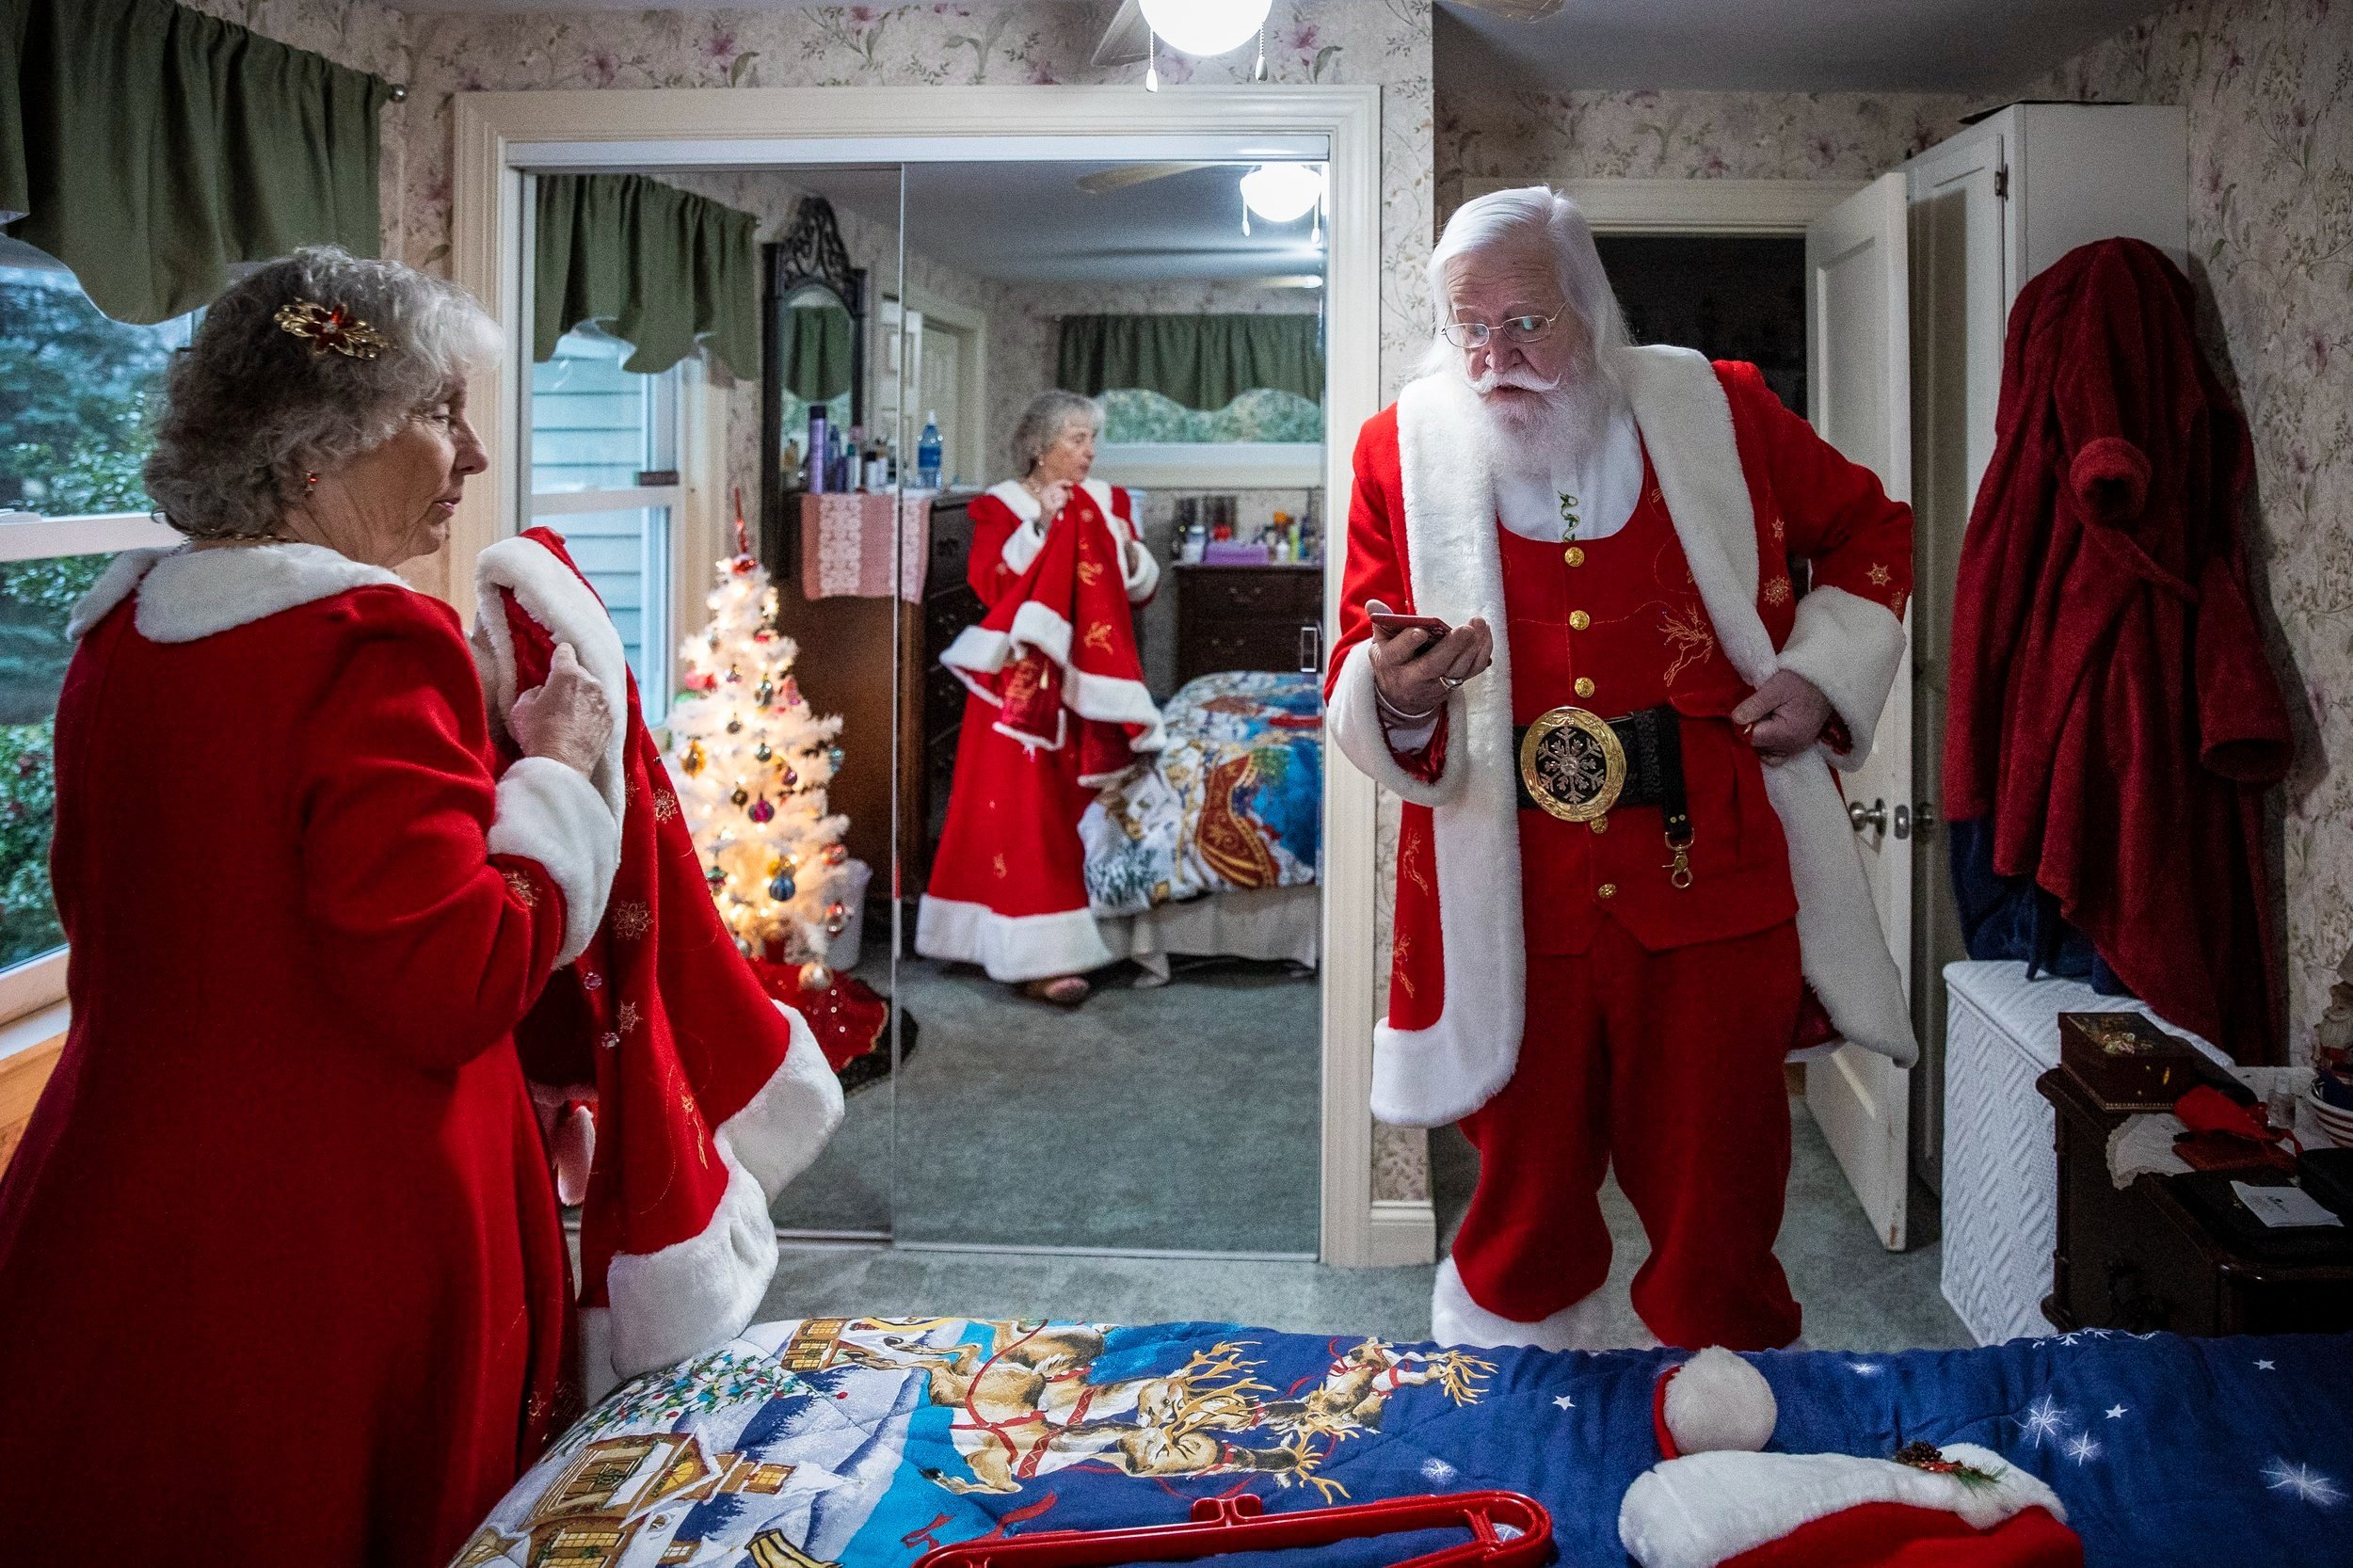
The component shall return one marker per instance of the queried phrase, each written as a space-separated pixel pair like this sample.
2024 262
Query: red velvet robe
281 1239
1008 888
2111 707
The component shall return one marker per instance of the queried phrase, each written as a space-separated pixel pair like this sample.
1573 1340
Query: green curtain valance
652 264
817 352
150 148
1202 361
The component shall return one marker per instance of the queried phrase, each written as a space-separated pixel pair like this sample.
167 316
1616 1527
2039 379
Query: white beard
1564 422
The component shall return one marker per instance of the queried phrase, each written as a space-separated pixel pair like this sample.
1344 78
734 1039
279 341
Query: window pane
75 389
626 557
36 600
1263 415
588 417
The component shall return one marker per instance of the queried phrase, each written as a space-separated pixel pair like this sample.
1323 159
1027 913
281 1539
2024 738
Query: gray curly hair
250 409
1041 423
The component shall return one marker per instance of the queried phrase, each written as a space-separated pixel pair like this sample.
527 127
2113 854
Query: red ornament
761 811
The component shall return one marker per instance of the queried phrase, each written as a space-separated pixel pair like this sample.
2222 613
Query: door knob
1311 650
1872 816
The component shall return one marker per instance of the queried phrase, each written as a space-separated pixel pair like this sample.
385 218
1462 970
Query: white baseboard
1404 1232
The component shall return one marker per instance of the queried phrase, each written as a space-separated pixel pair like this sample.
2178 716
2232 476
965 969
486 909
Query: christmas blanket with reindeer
708 1096
865 1443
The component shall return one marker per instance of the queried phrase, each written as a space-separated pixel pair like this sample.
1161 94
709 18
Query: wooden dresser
2145 1259
1246 617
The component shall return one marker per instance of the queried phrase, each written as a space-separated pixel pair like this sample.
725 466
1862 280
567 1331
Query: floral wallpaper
2268 85
1652 135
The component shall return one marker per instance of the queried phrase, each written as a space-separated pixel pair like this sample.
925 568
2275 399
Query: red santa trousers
1667 1064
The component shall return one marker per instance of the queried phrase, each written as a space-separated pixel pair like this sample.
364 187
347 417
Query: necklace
1569 523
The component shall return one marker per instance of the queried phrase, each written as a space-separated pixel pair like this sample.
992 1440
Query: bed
864 1444
1215 846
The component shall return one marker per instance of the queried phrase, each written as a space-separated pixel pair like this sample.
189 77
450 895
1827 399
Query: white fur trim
1353 720
1022 545
1010 948
1111 700
1696 1512
782 1128
1017 500
1428 1076
548 813
1457 1320
694 1294
1850 647
1718 1400
552 594
186 594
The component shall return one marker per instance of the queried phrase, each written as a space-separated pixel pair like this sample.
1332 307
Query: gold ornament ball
815 977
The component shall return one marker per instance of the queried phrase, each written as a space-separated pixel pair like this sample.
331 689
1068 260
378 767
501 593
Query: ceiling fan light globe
1282 193
1204 27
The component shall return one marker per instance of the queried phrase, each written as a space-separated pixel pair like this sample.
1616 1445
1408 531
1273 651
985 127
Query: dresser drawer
1239 593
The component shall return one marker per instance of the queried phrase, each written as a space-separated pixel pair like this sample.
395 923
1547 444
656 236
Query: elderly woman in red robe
285 1198
1058 707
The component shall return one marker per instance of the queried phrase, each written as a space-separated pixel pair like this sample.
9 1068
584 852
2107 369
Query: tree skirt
850 1018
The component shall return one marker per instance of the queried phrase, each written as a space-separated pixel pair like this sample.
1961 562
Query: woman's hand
566 718
1784 716
1051 500
1415 676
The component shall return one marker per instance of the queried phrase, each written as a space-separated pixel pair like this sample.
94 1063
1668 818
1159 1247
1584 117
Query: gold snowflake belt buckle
1573 763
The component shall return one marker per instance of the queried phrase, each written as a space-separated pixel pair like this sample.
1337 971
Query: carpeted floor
1856 1294
1179 1118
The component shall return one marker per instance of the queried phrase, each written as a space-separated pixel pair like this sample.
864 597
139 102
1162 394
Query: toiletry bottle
927 454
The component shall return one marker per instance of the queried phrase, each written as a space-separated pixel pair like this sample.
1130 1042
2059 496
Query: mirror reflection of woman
1008 890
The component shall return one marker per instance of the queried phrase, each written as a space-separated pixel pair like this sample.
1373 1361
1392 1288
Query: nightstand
1246 617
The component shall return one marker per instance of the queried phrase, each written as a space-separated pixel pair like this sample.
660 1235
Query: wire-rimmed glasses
1525 329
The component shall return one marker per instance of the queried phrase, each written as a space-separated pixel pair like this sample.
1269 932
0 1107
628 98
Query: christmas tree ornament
836 854
791 691
761 811
716 877
833 755
764 752
815 976
783 888
765 693
789 780
741 796
694 759
734 675
736 727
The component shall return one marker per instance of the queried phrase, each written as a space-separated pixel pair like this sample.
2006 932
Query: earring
311 480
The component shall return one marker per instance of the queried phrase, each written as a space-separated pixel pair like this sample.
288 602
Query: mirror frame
811 255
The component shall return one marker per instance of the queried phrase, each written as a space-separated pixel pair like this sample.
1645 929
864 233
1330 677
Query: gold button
1584 685
1579 621
1575 555
1600 823
1607 889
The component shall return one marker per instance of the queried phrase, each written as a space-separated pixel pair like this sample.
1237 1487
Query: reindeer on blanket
1027 1409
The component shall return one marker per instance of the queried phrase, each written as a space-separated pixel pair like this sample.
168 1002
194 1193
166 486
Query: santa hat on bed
708 1096
1716 1501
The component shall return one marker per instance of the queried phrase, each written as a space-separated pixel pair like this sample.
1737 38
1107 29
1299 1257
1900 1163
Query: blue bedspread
865 1444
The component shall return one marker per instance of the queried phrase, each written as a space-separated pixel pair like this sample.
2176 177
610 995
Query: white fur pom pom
1718 1400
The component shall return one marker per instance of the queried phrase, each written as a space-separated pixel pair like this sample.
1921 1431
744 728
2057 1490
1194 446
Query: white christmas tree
751 762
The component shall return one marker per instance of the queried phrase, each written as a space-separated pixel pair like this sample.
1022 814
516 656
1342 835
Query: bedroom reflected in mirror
1111 389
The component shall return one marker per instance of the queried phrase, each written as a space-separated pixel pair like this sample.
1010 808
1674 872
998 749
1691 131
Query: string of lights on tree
752 761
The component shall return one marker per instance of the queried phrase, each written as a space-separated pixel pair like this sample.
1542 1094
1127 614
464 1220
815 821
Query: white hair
1531 214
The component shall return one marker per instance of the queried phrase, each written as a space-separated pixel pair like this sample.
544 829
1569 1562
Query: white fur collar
552 594
1021 503
186 594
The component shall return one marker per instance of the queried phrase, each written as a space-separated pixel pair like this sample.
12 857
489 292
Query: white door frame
1692 206
497 134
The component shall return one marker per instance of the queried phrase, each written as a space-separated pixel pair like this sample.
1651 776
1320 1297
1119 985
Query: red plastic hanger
1508 1530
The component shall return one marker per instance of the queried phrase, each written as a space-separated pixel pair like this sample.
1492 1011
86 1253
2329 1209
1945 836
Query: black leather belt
1568 770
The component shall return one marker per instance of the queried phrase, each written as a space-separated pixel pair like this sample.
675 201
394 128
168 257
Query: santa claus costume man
1626 885
1058 707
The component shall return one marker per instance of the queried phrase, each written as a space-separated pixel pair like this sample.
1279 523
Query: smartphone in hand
1391 622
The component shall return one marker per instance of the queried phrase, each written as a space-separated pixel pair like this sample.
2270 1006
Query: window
75 392
1262 415
605 474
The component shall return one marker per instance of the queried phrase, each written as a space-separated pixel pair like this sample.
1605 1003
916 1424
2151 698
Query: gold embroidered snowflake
1779 528
519 883
1777 591
1879 576
665 806
627 1016
632 919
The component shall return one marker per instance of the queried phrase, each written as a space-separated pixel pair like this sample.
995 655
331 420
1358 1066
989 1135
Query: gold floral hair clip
323 328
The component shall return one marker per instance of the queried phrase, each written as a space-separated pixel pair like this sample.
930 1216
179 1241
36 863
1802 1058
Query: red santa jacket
306 913
1747 485
2111 707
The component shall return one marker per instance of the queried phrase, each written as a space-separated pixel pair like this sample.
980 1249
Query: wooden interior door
1961 294
1859 392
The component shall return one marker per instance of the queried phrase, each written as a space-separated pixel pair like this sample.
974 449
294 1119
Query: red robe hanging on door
1058 705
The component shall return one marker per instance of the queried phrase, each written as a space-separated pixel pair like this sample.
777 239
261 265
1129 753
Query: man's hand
1784 716
1416 676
